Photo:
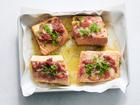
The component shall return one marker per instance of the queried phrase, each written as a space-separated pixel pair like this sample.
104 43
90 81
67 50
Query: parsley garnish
99 65
87 31
84 32
94 28
50 70
53 34
89 68
47 29
102 67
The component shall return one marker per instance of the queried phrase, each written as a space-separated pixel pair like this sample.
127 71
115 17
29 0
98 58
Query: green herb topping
89 68
100 65
53 34
47 29
88 31
50 70
84 32
94 28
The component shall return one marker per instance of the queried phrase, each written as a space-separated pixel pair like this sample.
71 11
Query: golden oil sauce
71 52
36 48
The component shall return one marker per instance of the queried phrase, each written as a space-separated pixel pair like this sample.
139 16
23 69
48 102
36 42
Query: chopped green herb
47 28
50 70
100 65
54 35
87 31
105 67
53 67
89 68
45 69
84 32
94 28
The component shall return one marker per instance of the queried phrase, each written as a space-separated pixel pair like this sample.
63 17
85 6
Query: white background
10 92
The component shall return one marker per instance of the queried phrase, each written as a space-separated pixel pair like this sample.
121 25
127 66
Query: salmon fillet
50 35
98 66
50 69
89 30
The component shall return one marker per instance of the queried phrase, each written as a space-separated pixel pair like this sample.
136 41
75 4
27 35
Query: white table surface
10 92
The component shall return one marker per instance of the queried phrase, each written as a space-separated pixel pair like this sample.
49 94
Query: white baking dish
116 18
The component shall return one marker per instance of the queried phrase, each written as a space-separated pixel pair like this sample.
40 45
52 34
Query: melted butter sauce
71 52
36 48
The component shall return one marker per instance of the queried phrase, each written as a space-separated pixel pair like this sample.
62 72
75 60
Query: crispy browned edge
45 50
